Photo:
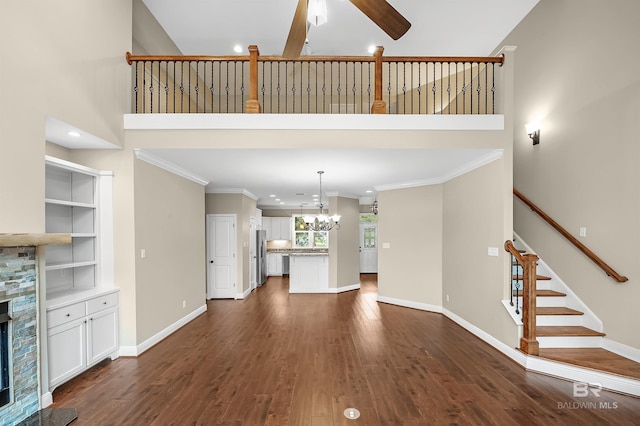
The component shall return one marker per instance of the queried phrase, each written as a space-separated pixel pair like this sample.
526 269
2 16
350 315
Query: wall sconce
533 130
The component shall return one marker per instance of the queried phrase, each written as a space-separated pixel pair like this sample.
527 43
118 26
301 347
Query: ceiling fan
379 11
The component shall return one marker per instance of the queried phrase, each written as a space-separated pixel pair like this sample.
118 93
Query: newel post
528 343
379 106
252 105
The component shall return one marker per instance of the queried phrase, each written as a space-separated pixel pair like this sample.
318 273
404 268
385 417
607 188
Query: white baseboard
347 288
512 353
163 334
46 400
410 304
326 290
621 349
243 295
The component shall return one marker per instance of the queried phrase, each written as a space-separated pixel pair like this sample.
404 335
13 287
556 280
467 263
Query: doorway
221 256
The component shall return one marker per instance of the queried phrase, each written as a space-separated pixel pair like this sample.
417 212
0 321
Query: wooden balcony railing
524 288
573 240
314 84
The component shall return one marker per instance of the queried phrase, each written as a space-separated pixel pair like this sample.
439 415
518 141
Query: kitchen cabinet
278 228
274 264
80 334
308 273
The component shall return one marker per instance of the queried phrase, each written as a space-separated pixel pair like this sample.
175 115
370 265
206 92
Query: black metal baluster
449 87
419 88
278 87
479 88
404 87
135 86
339 88
486 86
369 87
434 89
212 89
242 64
324 87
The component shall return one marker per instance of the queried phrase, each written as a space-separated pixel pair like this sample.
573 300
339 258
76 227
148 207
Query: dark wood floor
281 359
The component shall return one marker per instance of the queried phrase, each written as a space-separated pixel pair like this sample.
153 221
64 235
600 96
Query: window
305 238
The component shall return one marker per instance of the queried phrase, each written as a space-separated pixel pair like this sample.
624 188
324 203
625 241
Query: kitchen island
308 272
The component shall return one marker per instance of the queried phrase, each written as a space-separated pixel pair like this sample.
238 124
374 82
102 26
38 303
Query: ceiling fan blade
385 16
297 33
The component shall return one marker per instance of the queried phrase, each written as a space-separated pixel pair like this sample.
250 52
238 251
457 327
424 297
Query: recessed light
277 199
281 202
237 48
272 195
74 133
368 191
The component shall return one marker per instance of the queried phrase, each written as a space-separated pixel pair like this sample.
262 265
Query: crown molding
465 168
232 191
148 157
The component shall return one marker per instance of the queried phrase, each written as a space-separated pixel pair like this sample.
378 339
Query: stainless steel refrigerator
261 255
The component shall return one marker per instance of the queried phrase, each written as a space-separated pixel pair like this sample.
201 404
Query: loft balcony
359 85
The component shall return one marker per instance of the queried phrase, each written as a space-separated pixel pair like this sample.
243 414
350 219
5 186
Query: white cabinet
266 226
274 264
278 228
308 273
77 199
81 334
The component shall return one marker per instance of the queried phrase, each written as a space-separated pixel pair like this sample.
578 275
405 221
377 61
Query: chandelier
322 221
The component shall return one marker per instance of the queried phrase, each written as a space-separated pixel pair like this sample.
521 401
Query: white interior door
253 260
368 248
221 253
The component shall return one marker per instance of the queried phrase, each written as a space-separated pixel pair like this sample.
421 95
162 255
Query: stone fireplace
19 323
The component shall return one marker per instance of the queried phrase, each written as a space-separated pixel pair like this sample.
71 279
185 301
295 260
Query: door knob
211 261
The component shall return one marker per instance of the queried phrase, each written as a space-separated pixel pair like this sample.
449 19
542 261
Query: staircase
568 332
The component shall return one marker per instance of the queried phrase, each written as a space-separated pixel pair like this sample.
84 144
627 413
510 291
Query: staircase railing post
528 343
252 105
379 106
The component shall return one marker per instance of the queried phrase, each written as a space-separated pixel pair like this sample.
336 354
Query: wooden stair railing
528 342
573 240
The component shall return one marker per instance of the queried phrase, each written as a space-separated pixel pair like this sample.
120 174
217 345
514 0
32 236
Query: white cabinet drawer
102 302
65 314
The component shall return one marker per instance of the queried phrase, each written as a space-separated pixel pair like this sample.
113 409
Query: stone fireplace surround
19 284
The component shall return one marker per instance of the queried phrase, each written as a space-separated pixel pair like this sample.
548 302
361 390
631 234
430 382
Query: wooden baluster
379 106
528 342
252 105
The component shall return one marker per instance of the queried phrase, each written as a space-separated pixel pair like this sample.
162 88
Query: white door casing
368 248
253 261
221 256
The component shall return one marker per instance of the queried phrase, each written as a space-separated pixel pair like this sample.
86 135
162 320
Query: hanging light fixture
322 221
317 12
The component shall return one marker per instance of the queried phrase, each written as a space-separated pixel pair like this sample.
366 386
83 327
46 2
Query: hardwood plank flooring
594 358
281 359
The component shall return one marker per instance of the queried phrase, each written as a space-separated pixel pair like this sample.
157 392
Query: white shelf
70 203
68 265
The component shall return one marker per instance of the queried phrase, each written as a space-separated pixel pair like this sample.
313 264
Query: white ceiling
213 27
291 174
445 28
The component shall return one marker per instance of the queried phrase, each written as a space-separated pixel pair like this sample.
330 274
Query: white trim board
327 290
168 166
161 335
313 121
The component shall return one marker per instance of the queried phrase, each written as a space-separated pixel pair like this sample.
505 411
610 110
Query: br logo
582 390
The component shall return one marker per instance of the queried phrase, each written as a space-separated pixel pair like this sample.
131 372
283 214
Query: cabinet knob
104 303
68 315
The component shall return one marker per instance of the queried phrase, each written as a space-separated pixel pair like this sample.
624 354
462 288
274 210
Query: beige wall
169 226
55 67
344 256
473 217
410 222
584 172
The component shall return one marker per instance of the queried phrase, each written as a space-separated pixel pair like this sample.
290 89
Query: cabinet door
275 228
278 264
66 351
271 264
102 335
266 225
285 228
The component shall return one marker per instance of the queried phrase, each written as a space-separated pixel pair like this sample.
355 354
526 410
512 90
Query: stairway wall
577 75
